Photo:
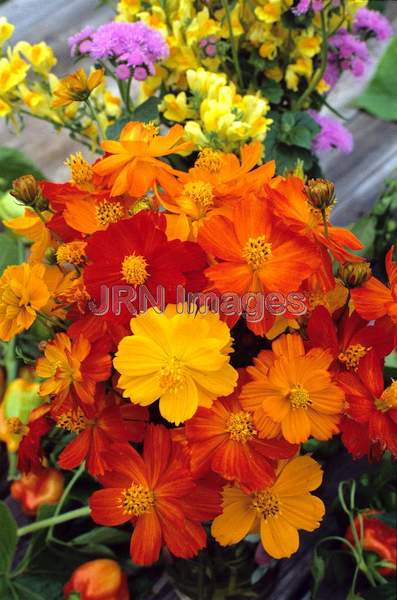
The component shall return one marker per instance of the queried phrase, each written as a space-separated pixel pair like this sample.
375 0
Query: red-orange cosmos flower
133 166
255 252
374 300
223 438
153 492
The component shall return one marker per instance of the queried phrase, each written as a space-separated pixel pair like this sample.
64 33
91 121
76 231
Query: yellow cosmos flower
276 512
180 358
22 293
77 87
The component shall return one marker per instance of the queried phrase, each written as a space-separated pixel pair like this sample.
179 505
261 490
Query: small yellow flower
77 87
12 72
39 55
6 30
269 12
176 108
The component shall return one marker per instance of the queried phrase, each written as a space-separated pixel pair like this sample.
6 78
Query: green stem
325 221
68 516
233 43
10 362
76 475
128 96
318 75
95 118
12 466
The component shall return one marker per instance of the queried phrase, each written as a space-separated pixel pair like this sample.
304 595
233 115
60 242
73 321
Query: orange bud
35 490
320 192
27 190
100 579
354 274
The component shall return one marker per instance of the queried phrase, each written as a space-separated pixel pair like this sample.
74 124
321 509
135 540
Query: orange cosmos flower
77 87
133 166
223 438
255 253
276 512
154 492
23 293
374 300
72 368
295 391
292 205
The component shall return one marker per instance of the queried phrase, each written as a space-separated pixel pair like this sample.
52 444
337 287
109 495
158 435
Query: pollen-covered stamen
257 252
71 252
16 427
210 160
74 421
266 504
137 500
199 193
151 128
352 355
80 169
388 399
108 212
172 375
241 427
299 397
134 269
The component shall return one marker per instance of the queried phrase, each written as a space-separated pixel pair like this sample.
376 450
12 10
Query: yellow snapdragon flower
40 56
176 108
6 30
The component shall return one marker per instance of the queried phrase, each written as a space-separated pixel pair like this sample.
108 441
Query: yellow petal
279 538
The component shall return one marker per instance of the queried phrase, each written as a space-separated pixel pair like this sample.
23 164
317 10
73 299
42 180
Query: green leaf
102 535
318 572
26 593
114 130
380 96
382 592
96 551
147 111
13 164
272 91
48 588
8 538
9 252
365 230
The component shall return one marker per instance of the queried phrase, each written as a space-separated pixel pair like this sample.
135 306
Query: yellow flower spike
6 30
77 87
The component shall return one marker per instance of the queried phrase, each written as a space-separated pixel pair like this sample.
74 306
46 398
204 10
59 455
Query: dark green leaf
46 587
113 131
95 551
13 164
9 254
318 571
380 96
365 230
8 538
272 91
382 592
147 111
26 593
102 535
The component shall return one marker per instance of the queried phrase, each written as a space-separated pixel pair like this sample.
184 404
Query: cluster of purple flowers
332 135
133 48
372 22
347 53
303 6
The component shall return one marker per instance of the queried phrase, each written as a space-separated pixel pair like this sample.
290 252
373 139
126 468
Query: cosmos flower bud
35 490
354 274
26 189
96 579
320 192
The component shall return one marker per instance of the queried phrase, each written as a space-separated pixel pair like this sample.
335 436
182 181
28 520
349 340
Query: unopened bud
354 274
15 426
27 190
320 193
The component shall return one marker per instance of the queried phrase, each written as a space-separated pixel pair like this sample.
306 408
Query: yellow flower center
80 169
299 397
210 160
388 399
200 194
352 355
266 503
152 129
134 269
72 253
16 427
137 500
72 421
257 251
108 212
171 375
241 427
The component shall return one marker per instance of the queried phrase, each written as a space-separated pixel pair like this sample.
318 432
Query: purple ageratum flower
80 43
347 53
303 6
332 135
130 44
372 22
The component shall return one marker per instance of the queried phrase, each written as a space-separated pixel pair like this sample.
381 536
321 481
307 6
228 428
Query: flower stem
76 475
325 221
51 521
318 75
233 43
95 117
